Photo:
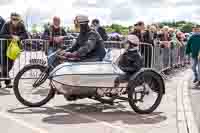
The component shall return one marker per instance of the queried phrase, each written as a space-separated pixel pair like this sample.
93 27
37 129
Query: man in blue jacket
193 47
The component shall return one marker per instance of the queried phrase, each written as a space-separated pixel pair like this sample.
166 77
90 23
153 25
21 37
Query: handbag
13 50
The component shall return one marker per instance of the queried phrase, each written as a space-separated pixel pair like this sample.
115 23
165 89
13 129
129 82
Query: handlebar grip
63 47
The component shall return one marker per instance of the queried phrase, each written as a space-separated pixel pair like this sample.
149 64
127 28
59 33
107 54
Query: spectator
138 29
187 59
174 52
181 48
55 34
193 47
100 29
165 43
165 36
149 37
146 50
2 22
13 29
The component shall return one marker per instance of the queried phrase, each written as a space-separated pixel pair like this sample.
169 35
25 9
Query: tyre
144 83
42 92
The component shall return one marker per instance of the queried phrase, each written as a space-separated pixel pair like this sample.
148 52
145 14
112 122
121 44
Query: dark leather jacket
89 45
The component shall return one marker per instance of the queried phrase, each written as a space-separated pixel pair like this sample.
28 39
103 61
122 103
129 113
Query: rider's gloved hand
72 55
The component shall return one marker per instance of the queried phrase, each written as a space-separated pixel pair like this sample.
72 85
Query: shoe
195 80
198 83
116 82
9 86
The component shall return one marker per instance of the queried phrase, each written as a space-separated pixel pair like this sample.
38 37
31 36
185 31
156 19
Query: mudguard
38 61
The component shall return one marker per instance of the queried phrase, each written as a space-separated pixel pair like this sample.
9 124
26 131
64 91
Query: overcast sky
124 12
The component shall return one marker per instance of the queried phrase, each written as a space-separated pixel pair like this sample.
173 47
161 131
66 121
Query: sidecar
86 74
95 80
84 78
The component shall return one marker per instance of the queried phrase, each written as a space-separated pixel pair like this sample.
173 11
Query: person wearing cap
56 35
193 48
13 29
99 29
131 61
89 46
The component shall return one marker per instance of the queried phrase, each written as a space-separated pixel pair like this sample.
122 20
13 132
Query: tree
34 28
46 25
187 28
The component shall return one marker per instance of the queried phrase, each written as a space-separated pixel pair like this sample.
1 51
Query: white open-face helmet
133 39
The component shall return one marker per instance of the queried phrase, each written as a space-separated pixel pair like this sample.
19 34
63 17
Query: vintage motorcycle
93 80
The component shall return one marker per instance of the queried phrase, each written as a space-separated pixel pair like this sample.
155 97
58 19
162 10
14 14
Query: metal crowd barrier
154 57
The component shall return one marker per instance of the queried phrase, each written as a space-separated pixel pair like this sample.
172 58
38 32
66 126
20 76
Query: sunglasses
15 19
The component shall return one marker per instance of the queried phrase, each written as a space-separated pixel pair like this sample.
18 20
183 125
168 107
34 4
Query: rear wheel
145 91
32 87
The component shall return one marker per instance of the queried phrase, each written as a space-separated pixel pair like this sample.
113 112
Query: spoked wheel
145 91
31 86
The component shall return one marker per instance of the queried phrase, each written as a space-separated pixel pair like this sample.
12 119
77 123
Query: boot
8 84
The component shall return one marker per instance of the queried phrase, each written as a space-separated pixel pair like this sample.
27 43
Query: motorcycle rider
89 46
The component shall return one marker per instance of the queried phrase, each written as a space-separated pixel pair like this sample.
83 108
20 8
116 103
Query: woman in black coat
13 29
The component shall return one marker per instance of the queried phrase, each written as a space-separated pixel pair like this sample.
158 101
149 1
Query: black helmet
95 21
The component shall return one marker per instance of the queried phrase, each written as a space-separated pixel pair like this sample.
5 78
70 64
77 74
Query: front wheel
145 91
32 87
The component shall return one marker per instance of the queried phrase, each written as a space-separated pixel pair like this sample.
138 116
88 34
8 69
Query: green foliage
34 28
187 27
117 28
182 25
46 25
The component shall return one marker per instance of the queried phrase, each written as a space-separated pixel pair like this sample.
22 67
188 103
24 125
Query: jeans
196 68
52 58
7 65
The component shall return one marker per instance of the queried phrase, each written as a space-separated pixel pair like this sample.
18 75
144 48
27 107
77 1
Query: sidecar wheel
144 83
28 84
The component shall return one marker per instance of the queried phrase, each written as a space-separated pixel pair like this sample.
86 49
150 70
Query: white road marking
22 123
